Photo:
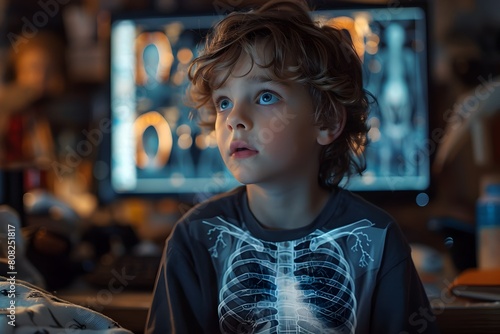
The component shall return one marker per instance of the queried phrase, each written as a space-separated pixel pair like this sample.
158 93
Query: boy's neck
286 209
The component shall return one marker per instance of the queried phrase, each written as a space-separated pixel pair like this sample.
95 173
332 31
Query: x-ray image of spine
300 286
395 85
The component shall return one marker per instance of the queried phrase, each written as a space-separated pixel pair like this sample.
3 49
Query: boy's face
264 128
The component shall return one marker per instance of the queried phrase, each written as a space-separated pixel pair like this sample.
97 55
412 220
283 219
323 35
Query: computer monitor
156 146
157 149
392 43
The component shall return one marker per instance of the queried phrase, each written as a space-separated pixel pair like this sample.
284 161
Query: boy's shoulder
354 207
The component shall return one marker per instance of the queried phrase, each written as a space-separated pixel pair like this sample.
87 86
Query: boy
290 251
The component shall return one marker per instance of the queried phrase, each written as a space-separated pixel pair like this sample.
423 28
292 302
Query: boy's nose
239 118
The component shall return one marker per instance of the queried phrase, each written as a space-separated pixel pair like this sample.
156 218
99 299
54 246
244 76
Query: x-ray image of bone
153 141
153 64
395 81
154 59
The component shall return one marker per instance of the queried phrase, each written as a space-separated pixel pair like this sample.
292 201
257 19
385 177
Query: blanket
27 309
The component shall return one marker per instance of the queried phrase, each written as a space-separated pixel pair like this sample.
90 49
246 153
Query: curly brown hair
320 57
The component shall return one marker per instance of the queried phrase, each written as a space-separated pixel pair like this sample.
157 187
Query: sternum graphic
287 292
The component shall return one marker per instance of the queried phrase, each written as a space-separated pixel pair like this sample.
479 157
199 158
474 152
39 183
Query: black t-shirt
349 271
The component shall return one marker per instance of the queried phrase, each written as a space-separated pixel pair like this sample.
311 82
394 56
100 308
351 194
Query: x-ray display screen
392 45
157 148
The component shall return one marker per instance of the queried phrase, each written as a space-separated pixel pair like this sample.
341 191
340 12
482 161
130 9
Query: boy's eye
223 104
268 98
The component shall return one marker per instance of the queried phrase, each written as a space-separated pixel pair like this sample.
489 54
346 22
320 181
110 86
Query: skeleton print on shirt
299 286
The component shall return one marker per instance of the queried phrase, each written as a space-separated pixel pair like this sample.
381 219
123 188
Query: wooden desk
468 317
456 315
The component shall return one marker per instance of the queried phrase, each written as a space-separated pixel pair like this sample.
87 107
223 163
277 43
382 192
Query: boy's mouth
241 149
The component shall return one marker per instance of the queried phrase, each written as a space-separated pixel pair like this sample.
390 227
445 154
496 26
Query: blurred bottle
488 227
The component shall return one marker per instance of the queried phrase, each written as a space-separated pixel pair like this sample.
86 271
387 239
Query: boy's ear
327 135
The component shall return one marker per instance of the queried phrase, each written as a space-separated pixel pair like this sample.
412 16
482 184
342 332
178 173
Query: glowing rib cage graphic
299 286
